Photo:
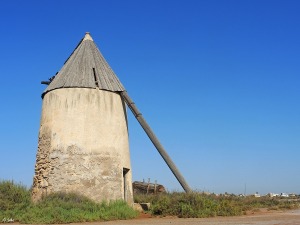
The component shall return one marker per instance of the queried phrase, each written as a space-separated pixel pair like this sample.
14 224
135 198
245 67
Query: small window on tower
95 77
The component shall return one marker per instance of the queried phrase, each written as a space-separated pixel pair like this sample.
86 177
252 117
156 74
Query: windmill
83 137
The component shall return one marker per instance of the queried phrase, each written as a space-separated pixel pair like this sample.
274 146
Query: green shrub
13 196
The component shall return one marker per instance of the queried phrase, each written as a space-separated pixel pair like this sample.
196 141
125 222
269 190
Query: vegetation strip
199 205
16 206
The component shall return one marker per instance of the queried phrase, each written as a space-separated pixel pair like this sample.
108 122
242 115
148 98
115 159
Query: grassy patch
199 205
15 203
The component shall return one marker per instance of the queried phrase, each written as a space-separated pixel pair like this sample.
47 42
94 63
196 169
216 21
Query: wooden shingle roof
86 68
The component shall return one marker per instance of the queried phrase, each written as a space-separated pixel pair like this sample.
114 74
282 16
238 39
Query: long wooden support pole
155 141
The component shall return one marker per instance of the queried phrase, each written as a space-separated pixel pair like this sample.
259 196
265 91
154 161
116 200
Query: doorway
125 185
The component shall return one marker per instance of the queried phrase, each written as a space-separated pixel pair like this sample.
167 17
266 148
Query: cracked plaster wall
83 145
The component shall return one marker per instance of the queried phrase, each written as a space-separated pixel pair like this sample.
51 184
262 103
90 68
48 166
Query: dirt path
266 218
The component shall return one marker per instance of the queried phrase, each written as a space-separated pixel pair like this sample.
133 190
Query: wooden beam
155 141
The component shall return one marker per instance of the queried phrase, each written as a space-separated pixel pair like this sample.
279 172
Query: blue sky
218 81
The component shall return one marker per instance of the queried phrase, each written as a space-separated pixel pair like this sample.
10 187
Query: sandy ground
291 217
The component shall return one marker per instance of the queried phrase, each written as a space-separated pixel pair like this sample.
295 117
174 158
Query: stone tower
83 137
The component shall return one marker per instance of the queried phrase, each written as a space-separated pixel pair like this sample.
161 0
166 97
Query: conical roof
86 68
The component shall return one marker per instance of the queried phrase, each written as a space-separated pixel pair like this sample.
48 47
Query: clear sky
218 81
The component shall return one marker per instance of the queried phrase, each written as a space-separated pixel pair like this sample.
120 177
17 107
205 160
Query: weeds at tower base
15 203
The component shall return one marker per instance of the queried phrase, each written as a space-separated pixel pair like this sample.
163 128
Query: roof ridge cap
88 37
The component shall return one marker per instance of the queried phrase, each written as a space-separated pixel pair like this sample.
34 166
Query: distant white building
284 195
273 195
256 195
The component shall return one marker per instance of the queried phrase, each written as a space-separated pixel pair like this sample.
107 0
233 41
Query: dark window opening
95 77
